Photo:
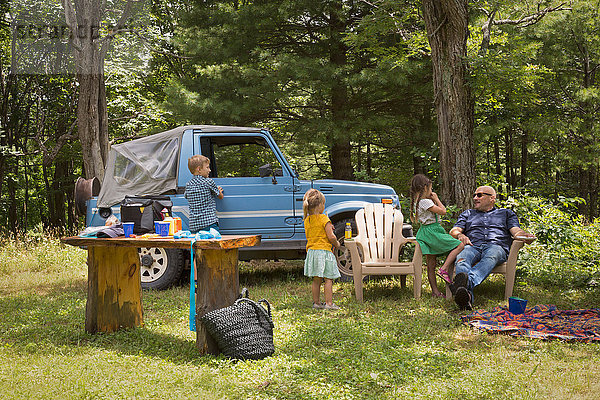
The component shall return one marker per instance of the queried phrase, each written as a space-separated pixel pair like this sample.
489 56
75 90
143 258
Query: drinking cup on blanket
516 305
157 227
128 229
163 228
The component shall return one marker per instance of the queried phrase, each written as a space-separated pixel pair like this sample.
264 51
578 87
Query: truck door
251 204
301 188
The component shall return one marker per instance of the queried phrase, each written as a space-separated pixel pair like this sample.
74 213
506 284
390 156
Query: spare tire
85 189
160 268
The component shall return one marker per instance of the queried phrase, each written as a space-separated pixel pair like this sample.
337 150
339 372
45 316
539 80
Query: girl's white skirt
321 263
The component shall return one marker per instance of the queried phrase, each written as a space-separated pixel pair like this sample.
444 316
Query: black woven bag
243 330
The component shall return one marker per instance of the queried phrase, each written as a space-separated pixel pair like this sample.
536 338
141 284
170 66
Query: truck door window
242 159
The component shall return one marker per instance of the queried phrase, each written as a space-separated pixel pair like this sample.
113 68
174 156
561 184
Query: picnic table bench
114 298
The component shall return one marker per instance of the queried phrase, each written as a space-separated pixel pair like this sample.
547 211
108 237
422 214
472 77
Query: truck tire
343 254
160 268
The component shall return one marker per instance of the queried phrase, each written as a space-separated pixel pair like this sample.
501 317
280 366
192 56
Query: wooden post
218 287
114 289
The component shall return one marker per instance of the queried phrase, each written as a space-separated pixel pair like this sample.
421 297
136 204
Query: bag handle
268 306
259 308
244 294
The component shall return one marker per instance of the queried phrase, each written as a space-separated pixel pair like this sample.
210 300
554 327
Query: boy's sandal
318 306
442 273
333 306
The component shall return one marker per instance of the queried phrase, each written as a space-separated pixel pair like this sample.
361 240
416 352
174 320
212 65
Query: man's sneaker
462 297
460 280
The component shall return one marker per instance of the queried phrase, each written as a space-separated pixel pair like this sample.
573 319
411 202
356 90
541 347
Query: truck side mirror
265 170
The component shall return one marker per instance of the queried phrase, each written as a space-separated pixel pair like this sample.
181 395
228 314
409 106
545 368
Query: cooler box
143 211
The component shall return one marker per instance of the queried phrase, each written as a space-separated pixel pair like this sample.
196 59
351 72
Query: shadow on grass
491 293
55 320
261 272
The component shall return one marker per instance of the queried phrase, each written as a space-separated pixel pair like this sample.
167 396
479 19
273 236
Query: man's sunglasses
479 195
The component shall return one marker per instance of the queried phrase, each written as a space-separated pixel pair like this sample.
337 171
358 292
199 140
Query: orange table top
226 242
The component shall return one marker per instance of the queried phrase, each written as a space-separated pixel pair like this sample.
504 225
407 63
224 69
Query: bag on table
243 330
143 211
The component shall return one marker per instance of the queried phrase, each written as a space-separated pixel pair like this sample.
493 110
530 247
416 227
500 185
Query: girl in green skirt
425 206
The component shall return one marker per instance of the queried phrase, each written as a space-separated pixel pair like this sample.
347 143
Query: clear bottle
348 232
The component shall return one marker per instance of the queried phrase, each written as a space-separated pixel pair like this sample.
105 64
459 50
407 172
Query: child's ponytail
418 184
312 199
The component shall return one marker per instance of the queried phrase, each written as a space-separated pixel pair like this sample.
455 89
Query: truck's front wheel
342 254
160 268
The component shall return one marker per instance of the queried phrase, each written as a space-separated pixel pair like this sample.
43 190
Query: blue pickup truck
262 193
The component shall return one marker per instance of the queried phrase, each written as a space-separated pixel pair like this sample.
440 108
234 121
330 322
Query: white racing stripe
225 214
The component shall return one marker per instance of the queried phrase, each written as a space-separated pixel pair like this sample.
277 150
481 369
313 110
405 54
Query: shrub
568 247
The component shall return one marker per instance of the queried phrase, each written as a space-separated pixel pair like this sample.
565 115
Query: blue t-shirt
200 193
489 227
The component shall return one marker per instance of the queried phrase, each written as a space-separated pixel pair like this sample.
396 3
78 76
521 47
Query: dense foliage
370 99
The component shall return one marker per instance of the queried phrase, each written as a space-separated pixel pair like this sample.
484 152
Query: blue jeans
478 262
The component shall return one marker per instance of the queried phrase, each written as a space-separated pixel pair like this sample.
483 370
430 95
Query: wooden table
114 298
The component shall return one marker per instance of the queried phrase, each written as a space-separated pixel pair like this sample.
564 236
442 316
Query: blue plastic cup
128 229
157 227
516 305
164 228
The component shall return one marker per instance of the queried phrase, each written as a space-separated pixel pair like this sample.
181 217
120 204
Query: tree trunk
12 203
83 18
524 157
498 165
583 189
369 162
447 27
340 148
593 206
91 124
508 158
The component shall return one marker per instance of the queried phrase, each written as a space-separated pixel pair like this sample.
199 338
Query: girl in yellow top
320 262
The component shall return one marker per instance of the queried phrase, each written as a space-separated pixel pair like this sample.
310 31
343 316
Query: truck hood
340 186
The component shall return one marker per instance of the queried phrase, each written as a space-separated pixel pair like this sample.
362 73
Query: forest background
346 88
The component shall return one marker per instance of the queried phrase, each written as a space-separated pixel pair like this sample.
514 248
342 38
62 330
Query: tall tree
306 67
447 27
571 49
84 19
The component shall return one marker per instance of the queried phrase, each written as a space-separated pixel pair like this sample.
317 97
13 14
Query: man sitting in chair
486 232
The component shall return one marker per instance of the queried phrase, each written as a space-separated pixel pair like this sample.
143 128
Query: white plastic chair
380 240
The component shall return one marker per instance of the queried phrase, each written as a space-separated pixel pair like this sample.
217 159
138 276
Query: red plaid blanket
542 322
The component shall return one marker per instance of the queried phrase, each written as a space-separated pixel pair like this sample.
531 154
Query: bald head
484 198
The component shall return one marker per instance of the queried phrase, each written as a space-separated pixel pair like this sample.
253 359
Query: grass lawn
390 347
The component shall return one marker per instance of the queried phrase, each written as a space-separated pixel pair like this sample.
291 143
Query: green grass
390 347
